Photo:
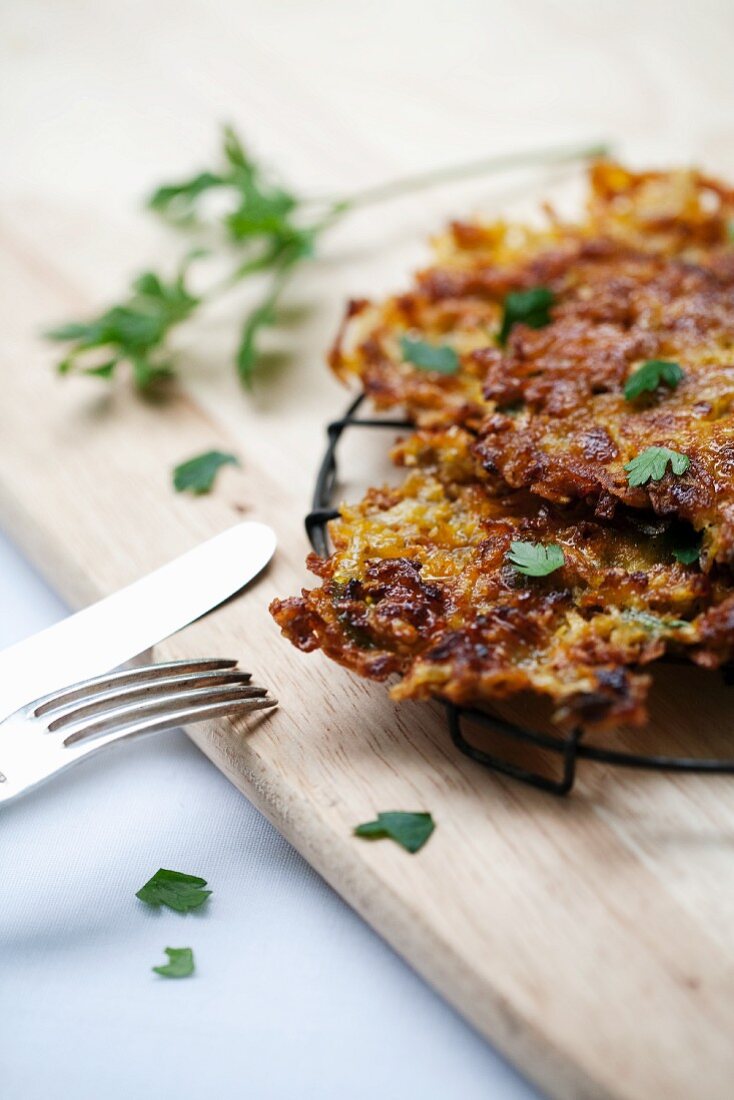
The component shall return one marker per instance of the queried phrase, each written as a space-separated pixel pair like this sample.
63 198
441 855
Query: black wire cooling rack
567 748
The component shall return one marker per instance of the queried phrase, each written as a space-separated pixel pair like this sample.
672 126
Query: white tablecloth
293 996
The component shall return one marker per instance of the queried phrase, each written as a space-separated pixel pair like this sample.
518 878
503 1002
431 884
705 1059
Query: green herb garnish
653 373
177 201
409 830
196 475
180 963
533 559
269 230
133 332
652 463
652 622
174 889
529 307
686 544
686 555
436 357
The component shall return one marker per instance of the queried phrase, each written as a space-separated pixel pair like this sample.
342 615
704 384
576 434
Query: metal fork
58 730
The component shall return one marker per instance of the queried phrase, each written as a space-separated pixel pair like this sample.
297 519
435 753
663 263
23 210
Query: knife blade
131 620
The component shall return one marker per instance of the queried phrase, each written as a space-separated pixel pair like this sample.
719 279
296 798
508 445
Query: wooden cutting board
589 938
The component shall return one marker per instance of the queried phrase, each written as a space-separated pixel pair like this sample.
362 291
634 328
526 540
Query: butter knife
119 627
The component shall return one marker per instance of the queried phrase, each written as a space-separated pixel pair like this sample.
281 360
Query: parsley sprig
533 559
133 332
652 463
262 229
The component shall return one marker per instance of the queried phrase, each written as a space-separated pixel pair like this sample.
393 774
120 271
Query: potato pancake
458 301
573 433
646 278
422 585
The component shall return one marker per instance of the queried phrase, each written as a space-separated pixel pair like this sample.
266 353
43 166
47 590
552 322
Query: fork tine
64 713
126 677
186 715
121 705
160 706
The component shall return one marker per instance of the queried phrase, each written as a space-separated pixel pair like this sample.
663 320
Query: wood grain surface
590 939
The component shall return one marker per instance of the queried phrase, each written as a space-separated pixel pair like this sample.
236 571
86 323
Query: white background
294 998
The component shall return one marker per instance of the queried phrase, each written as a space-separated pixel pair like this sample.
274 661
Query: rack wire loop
569 747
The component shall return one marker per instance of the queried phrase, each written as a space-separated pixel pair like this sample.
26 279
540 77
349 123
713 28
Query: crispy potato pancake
682 216
420 586
572 431
648 275
525 441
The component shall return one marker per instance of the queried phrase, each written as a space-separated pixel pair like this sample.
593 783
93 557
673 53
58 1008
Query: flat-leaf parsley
650 375
409 830
686 555
436 357
134 332
174 889
529 307
651 464
197 474
534 559
180 963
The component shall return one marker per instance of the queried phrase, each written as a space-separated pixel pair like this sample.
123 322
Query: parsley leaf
529 307
261 210
288 253
196 475
174 889
533 559
652 622
686 555
104 370
409 830
653 373
180 963
234 150
264 316
133 332
652 463
177 201
435 357
259 222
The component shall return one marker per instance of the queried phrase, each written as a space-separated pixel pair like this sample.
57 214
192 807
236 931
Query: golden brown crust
649 274
419 586
528 442
682 215
368 345
575 431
